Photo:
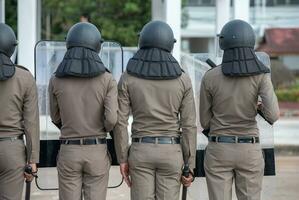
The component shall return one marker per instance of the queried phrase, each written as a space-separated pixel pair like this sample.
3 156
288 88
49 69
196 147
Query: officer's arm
269 105
120 130
205 105
188 125
54 108
111 106
31 122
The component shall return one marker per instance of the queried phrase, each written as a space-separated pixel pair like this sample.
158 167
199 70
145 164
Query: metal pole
27 32
241 9
169 11
2 11
222 17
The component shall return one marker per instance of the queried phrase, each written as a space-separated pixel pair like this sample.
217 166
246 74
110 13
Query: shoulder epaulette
21 67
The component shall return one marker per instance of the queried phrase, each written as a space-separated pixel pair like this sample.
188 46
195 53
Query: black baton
185 174
28 170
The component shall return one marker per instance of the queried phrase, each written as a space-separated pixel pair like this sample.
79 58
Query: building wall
198 45
202 17
291 61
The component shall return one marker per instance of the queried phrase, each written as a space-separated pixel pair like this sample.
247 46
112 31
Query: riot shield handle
211 63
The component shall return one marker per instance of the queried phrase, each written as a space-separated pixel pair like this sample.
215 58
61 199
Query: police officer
228 106
160 96
18 116
83 104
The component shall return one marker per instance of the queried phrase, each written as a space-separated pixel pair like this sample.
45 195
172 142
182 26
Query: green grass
290 94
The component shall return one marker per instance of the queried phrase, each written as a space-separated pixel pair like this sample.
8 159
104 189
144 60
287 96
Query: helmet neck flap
80 62
242 61
154 64
7 67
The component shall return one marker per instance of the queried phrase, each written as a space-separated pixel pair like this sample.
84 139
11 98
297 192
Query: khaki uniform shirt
228 105
19 110
159 108
86 107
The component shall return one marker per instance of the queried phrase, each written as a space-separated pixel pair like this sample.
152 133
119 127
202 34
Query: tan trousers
83 168
242 163
12 164
155 170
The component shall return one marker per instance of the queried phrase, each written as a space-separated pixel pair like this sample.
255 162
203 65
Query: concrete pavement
284 186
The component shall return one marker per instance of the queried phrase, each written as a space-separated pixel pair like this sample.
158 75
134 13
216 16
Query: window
201 2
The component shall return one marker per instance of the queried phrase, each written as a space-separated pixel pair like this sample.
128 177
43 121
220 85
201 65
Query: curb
286 150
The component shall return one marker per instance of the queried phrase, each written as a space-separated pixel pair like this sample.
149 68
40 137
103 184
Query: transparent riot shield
48 55
196 65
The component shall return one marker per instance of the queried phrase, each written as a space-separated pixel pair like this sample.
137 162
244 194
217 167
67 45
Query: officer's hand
186 181
124 170
29 177
259 105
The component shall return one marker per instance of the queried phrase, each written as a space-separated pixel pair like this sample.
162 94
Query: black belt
84 141
157 140
234 139
20 137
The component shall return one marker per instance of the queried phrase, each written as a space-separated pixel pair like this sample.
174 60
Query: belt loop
97 140
66 141
139 140
81 141
236 139
156 140
253 140
216 137
172 140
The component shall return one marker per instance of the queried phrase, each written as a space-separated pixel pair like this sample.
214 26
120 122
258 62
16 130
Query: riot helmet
153 60
237 39
85 35
157 34
8 41
236 33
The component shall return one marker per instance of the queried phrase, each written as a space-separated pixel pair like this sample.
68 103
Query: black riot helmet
156 34
84 34
236 33
8 41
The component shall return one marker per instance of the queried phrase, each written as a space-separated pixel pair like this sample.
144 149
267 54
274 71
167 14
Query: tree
119 20
11 14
